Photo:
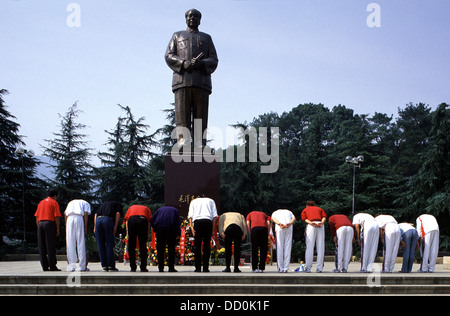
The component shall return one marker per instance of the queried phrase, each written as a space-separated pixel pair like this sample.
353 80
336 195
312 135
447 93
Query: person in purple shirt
166 223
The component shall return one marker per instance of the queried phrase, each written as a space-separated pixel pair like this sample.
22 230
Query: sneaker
113 269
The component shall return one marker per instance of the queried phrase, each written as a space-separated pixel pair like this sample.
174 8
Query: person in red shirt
341 230
315 217
137 221
259 225
47 222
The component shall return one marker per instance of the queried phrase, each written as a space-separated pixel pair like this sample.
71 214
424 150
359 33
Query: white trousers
430 248
343 247
369 245
75 243
315 236
392 236
284 246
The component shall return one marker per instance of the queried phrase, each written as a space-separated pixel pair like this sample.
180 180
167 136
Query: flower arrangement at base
184 251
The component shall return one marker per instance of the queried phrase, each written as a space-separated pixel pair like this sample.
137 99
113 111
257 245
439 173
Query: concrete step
27 278
221 284
223 289
216 278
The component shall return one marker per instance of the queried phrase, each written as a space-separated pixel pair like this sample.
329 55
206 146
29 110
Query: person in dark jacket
166 224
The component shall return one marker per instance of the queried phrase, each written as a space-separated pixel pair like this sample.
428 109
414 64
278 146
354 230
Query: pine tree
414 125
10 171
11 185
166 143
124 174
73 170
429 189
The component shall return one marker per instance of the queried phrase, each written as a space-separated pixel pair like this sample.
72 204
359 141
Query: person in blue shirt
166 223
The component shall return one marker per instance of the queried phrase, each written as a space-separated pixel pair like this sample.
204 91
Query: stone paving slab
34 268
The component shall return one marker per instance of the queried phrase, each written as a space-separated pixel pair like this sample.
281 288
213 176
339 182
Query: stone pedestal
185 181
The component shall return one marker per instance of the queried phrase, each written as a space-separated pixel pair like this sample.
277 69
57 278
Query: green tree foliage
314 142
124 175
10 171
11 185
414 124
429 189
405 172
166 142
72 168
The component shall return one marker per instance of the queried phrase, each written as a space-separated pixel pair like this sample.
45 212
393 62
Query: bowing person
138 226
166 224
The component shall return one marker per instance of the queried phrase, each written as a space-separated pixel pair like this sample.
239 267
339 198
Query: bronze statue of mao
192 57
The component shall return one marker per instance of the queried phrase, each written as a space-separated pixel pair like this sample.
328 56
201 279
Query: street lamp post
356 162
20 152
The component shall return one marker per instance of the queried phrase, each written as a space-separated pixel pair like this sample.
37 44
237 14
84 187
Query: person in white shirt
283 220
202 218
76 216
428 230
367 231
409 242
390 237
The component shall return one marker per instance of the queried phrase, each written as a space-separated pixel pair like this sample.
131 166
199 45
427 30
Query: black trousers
203 231
233 233
166 236
259 238
46 235
137 228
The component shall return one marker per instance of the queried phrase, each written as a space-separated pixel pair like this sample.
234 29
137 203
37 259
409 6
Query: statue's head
193 17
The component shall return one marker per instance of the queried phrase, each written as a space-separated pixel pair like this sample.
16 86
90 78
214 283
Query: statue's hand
197 63
188 66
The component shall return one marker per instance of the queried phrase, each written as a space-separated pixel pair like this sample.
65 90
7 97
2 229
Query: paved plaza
34 268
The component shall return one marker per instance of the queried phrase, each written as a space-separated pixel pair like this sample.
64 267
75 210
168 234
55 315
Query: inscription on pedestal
185 181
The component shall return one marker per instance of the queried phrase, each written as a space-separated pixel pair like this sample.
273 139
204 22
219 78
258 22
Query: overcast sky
273 55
